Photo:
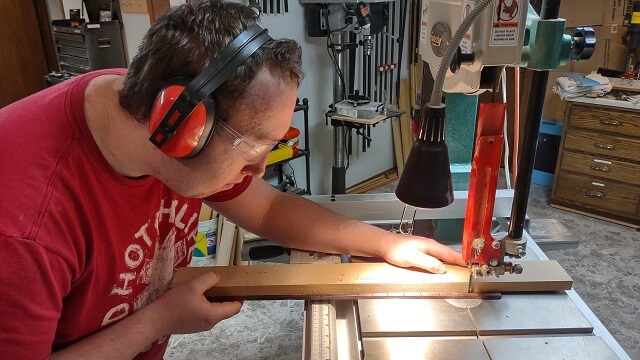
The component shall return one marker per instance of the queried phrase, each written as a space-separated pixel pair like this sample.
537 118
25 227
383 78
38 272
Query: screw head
478 243
495 244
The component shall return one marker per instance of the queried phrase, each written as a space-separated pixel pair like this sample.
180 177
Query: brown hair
185 39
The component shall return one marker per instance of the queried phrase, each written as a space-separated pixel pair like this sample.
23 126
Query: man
96 218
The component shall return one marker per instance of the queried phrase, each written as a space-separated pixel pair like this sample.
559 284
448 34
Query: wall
69 4
317 87
135 26
55 9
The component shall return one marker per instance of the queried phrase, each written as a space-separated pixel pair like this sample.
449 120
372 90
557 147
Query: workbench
555 325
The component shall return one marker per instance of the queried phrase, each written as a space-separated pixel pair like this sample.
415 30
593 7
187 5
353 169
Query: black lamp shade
426 179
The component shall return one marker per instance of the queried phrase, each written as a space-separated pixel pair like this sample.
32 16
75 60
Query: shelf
301 105
301 153
387 115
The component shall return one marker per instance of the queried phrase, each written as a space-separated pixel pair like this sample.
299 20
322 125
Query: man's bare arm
296 222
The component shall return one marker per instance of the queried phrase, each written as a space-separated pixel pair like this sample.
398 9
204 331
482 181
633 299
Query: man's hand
185 309
181 310
421 252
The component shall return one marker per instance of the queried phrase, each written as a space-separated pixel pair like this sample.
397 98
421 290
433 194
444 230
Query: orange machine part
483 183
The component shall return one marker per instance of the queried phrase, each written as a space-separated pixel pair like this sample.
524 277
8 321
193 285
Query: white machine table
556 325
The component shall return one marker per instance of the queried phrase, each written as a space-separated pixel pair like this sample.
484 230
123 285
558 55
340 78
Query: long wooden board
368 280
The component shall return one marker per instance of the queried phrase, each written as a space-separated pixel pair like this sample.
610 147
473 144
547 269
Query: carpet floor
602 267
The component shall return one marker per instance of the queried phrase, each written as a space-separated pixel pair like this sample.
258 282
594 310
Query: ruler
320 336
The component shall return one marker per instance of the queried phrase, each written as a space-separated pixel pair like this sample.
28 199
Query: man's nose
256 169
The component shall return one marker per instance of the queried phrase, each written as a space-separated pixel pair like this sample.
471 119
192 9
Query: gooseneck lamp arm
426 179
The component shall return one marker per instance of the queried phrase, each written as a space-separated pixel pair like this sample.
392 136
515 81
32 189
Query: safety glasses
251 151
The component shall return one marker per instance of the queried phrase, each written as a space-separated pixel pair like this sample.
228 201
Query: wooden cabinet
598 169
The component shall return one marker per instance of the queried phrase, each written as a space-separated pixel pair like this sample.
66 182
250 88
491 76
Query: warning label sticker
506 21
424 33
467 45
424 29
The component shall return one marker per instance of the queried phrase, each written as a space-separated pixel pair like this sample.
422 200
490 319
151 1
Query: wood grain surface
368 280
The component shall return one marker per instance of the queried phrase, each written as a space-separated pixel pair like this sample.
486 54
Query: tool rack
304 152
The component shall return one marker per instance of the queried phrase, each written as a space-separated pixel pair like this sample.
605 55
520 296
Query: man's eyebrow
263 134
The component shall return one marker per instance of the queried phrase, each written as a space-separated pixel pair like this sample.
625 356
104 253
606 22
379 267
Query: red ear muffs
195 131
174 127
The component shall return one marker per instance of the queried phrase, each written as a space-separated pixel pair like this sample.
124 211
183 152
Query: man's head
187 38
256 100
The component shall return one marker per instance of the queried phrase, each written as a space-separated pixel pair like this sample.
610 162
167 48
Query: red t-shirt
81 246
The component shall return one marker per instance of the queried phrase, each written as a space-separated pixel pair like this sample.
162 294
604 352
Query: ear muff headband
217 72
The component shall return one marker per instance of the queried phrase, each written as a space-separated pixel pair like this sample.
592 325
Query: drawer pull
595 194
605 146
104 43
601 168
610 122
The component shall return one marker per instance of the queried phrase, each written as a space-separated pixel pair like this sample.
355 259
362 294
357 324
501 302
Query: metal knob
584 43
610 122
595 194
601 168
459 59
604 146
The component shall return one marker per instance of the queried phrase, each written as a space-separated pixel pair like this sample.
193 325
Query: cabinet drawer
601 167
72 69
70 43
76 38
605 119
601 144
74 60
598 194
73 51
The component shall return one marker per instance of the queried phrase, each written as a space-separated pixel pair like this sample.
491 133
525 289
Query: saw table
550 325
554 325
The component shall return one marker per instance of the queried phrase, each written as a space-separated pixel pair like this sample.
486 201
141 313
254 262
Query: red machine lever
478 246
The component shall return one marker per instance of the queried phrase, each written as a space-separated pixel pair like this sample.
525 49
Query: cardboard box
614 11
581 12
554 108
610 53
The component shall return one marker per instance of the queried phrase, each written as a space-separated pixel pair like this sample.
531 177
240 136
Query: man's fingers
205 281
219 310
424 261
225 310
443 252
